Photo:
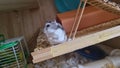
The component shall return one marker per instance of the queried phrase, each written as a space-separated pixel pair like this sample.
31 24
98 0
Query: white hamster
55 32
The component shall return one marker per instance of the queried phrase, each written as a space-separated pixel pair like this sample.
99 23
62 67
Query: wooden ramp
87 37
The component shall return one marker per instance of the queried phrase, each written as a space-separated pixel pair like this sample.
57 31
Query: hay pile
112 6
42 41
71 60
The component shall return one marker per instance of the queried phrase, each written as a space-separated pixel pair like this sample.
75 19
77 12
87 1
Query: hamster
55 32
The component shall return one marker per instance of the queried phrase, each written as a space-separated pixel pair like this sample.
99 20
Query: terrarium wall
26 22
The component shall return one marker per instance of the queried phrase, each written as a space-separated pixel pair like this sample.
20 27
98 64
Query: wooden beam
75 44
16 1
6 5
18 7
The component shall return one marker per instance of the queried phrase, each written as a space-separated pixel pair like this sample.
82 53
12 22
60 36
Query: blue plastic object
66 5
92 52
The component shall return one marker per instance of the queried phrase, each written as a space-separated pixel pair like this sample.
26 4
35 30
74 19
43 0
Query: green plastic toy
11 54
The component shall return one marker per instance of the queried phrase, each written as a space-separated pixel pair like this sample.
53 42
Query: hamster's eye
47 25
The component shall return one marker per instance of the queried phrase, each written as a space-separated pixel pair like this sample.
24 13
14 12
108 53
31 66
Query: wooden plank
9 26
14 17
76 44
36 19
5 8
3 28
15 1
17 4
27 24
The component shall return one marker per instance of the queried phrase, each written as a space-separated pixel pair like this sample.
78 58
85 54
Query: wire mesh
12 57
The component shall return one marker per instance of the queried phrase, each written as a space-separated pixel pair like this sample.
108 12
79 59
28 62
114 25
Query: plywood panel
14 20
3 27
27 22
19 23
16 1
6 5
9 25
35 15
47 10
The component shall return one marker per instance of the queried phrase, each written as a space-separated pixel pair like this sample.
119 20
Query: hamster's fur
55 32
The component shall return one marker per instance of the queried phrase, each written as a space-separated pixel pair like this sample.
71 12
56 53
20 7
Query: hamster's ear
48 21
57 23
54 21
60 25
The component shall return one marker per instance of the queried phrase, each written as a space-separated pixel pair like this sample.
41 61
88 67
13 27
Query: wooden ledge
78 43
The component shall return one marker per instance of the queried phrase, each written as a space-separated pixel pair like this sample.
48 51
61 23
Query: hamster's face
51 26
54 32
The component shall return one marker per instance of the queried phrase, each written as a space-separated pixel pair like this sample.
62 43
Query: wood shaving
112 3
71 60
42 41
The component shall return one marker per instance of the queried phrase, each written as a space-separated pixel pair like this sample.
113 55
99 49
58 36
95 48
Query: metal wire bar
23 53
75 20
80 17
13 57
16 57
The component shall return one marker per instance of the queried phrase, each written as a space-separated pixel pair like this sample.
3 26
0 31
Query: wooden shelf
78 43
